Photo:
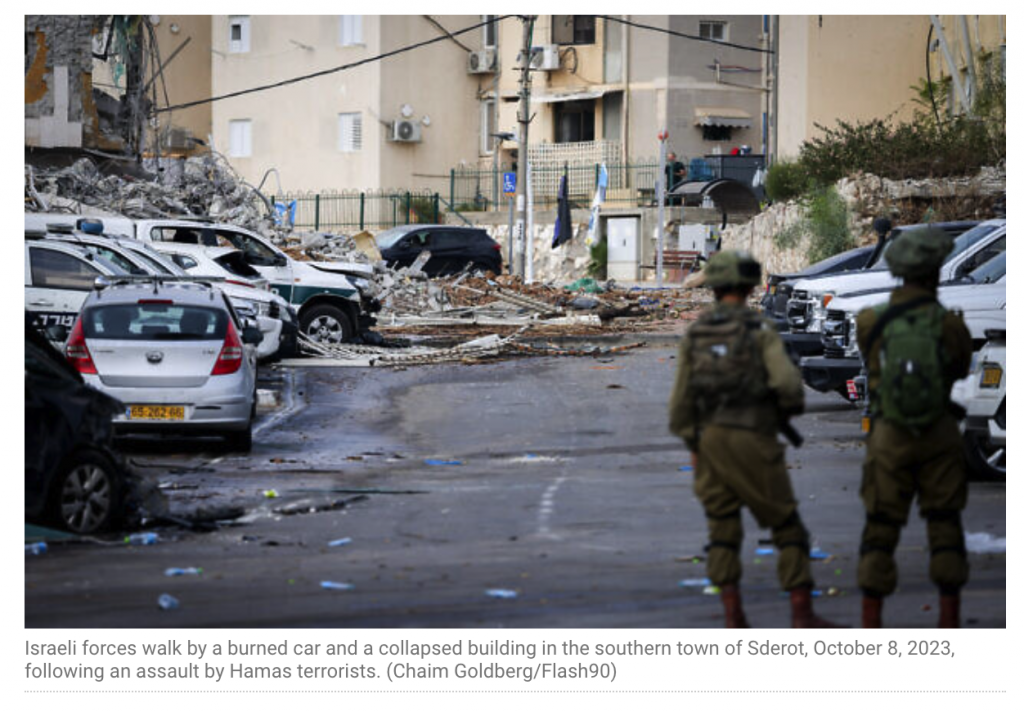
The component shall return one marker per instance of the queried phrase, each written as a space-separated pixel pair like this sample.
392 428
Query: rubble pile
205 186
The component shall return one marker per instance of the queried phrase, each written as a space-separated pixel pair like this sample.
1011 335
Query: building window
574 121
611 113
718 133
238 34
350 132
240 138
712 30
487 126
490 31
573 29
350 30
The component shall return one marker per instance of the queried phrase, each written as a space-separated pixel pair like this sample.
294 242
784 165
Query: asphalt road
568 492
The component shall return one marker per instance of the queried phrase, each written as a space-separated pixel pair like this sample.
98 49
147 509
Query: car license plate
156 412
991 376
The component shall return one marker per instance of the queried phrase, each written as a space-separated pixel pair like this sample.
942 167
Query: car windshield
991 271
388 238
962 242
257 251
154 322
156 264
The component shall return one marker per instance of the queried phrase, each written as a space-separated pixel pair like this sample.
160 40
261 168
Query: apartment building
386 124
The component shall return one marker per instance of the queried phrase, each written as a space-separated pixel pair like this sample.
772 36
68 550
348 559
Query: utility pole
660 185
524 142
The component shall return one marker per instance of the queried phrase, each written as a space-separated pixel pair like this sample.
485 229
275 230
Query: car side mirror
56 333
100 282
252 335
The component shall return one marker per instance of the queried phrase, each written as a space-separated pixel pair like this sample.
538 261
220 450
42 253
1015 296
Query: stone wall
868 197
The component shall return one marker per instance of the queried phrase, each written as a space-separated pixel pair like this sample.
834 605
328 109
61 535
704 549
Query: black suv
452 248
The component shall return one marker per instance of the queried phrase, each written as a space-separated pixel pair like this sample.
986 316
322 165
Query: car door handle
40 303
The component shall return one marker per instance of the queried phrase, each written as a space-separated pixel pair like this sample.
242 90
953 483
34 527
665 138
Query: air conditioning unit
545 58
484 61
405 131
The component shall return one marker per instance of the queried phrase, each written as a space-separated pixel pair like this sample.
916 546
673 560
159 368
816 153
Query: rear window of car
154 322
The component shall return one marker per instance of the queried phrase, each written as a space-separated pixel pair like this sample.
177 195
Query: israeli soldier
914 351
734 389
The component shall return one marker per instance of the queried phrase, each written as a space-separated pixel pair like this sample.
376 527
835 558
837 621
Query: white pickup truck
807 307
980 295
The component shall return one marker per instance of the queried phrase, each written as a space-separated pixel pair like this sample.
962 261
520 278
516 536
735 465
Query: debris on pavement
142 539
36 549
167 602
336 586
340 542
270 493
190 571
982 543
695 583
312 506
501 593
442 463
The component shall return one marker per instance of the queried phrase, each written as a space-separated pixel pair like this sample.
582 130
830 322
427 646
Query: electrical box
622 235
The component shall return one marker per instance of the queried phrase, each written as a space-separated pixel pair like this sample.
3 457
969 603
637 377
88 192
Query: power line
684 35
332 70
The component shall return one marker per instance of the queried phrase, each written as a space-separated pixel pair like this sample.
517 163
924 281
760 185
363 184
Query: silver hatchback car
174 352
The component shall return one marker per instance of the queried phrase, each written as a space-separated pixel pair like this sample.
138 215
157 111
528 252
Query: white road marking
547 509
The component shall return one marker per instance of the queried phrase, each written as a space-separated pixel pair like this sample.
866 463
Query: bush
826 220
786 180
598 266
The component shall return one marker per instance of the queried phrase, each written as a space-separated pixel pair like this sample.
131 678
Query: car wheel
87 495
327 324
985 460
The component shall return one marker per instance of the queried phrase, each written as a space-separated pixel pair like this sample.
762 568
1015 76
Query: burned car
74 479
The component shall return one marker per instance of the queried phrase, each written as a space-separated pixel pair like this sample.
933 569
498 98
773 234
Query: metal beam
954 71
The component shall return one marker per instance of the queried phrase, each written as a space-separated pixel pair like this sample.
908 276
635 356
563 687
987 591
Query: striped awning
722 116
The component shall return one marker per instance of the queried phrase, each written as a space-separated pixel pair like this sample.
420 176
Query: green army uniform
904 459
900 464
734 387
741 462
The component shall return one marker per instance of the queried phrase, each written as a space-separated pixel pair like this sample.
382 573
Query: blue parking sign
508 183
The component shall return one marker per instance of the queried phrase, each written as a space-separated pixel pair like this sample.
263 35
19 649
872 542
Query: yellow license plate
991 376
156 412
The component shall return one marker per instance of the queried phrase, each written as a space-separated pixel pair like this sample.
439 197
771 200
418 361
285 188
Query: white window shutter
350 30
238 34
350 132
240 138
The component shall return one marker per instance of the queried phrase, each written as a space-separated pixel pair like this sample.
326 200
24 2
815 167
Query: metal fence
628 184
354 211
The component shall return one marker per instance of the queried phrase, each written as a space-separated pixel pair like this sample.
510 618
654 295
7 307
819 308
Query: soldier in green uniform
914 350
734 389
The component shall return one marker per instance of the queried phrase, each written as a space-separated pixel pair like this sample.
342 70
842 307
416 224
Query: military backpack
726 366
912 391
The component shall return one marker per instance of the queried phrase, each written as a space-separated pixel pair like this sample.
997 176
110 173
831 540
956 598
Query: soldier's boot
734 616
803 611
871 611
949 610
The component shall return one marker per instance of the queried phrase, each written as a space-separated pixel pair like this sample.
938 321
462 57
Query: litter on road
36 549
442 463
982 543
142 539
340 542
190 571
167 602
336 586
501 593
695 583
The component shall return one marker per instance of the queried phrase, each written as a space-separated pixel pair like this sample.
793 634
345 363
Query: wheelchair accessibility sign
508 183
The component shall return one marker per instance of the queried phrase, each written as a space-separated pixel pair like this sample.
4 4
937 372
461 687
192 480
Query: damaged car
74 478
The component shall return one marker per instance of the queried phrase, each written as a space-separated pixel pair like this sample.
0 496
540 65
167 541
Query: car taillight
230 358
77 352
496 247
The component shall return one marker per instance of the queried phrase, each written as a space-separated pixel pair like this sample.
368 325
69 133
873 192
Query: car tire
86 497
984 460
326 323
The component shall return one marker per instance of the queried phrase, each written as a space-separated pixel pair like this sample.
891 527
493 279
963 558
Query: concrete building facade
388 124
